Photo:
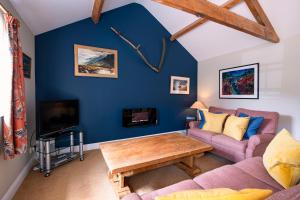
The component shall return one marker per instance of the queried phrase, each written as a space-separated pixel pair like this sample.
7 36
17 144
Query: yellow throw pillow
282 159
236 127
218 194
214 122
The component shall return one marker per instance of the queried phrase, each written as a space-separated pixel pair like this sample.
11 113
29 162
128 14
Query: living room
157 99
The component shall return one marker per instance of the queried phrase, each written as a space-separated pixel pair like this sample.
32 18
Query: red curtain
14 125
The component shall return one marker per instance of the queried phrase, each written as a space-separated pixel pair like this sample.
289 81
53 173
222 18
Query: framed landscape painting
95 62
180 85
239 82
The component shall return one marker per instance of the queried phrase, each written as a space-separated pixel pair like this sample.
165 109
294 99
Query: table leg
118 181
188 165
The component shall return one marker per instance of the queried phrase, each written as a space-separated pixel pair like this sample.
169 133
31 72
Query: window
6 70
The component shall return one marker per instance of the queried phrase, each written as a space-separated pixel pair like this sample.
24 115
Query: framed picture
239 82
180 85
95 62
26 66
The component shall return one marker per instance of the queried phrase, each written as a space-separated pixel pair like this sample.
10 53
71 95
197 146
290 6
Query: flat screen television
57 116
139 117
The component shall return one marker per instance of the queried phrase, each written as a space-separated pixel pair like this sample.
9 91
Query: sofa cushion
254 125
221 110
214 122
254 167
281 159
235 127
181 186
218 194
204 136
227 154
270 119
202 119
232 177
225 142
292 193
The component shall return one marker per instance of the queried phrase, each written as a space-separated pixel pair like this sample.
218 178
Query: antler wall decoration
140 53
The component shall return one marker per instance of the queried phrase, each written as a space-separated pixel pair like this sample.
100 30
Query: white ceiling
45 15
209 40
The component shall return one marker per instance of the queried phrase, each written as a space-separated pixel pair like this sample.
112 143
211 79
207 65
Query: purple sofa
235 150
249 173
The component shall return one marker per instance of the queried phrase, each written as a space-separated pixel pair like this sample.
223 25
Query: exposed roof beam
261 17
97 9
222 16
227 5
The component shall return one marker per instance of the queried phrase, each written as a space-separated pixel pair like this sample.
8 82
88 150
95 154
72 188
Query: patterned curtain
14 121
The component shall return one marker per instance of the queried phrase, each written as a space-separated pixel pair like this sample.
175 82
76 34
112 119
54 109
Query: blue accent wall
102 99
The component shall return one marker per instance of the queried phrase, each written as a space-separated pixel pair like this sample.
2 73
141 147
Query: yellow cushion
282 159
214 122
218 194
236 127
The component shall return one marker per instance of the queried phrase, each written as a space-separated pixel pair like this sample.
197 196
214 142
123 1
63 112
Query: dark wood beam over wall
227 5
97 9
225 17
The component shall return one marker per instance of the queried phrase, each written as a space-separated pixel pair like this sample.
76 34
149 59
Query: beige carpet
88 180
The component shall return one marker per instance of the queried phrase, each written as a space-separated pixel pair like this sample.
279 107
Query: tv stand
52 156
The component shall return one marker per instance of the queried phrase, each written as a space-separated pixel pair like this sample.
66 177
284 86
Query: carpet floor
88 180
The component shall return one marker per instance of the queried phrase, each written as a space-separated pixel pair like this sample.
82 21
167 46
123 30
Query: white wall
279 80
9 170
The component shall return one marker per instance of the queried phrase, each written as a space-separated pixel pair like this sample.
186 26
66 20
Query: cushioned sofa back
221 110
270 123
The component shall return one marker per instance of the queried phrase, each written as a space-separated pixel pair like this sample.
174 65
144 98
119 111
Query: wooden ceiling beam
227 5
261 17
97 9
222 16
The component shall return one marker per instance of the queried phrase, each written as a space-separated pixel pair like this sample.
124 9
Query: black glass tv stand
59 149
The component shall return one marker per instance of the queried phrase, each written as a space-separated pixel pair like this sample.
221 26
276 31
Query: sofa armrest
132 196
257 145
194 124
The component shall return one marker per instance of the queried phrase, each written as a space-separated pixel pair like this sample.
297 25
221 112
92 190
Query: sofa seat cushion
232 177
181 186
254 167
292 193
223 141
198 133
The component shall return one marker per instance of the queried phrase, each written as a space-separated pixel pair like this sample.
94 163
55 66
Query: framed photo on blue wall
180 85
240 82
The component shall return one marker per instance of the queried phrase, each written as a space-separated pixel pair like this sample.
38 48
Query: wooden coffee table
128 157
